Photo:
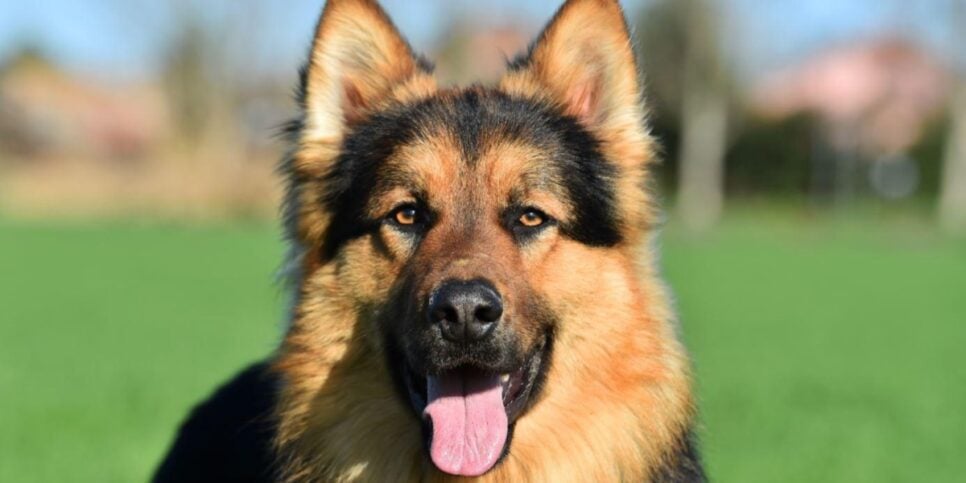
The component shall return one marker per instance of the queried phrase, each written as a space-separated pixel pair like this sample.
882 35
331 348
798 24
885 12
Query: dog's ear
358 58
584 62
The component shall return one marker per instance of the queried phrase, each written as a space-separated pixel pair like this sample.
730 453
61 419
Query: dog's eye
407 215
532 218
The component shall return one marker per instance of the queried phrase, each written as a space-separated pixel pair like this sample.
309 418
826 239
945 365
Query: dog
475 290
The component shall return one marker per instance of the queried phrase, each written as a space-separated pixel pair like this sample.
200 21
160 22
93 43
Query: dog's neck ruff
342 421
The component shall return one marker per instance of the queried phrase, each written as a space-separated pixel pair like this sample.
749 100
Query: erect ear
583 60
358 59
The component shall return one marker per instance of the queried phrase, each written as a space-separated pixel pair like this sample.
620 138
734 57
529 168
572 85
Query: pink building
876 96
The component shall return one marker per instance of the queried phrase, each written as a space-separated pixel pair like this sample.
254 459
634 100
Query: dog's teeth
504 378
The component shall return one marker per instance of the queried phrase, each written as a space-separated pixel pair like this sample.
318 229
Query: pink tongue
469 422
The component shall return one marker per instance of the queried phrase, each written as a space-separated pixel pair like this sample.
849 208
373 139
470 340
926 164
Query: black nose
466 311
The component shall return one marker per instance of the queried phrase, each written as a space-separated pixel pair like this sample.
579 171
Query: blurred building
45 112
71 145
874 101
877 95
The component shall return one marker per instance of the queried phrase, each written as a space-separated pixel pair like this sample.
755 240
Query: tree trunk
704 122
952 188
952 193
704 125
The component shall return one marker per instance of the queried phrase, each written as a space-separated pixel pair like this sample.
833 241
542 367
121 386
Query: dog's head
464 227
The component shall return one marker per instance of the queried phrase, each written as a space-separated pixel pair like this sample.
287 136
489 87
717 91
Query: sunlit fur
617 404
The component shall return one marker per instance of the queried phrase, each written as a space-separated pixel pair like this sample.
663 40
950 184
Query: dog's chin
469 412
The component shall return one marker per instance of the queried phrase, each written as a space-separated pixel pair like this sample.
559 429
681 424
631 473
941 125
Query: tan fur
617 398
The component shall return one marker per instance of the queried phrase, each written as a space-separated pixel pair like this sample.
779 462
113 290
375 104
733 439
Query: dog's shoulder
229 436
684 464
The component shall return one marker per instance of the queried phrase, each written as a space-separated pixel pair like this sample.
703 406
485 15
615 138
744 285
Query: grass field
824 351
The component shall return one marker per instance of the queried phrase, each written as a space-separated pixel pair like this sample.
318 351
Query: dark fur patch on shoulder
229 436
684 465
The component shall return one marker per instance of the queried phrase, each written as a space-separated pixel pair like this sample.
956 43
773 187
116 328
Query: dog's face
468 214
462 224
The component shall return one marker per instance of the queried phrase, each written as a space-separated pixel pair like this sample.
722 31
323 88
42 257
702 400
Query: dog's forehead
475 139
436 163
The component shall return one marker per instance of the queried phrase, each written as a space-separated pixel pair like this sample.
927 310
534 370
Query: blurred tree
213 57
929 152
952 195
186 77
18 136
771 157
687 76
661 30
451 55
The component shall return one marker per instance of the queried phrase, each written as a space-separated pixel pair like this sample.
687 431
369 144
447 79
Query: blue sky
124 37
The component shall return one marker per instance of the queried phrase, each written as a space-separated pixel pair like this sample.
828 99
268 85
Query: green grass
109 333
824 351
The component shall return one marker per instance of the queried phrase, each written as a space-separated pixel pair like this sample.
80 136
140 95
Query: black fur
684 466
228 438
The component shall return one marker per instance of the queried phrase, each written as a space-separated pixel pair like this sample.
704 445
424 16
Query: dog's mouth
469 412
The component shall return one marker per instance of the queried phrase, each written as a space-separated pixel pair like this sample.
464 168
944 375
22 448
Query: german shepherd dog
475 293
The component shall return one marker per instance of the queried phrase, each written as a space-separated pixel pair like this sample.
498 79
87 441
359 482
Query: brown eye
532 219
406 215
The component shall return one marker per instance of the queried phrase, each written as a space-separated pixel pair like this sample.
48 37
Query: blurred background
813 176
